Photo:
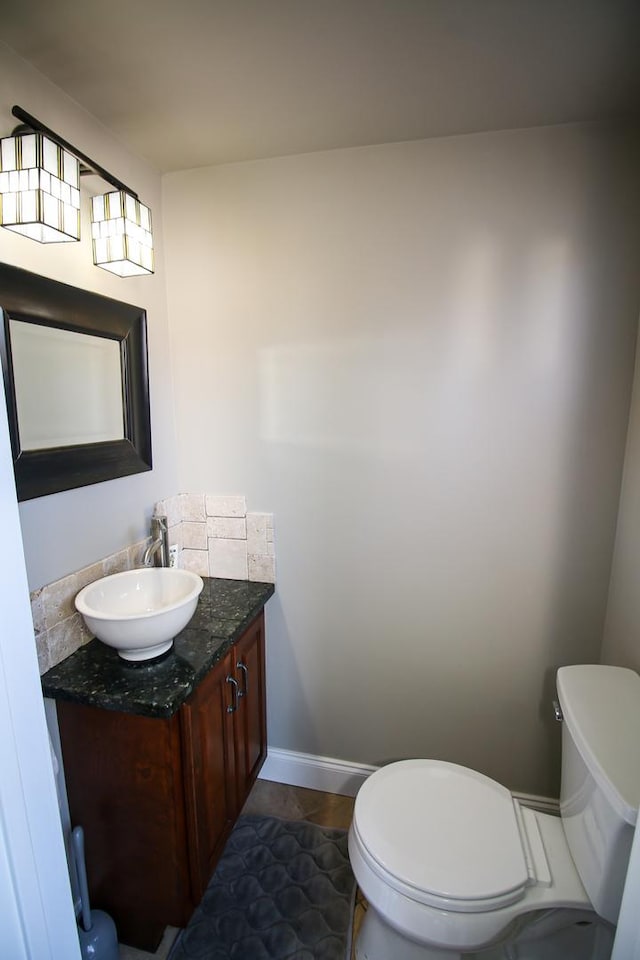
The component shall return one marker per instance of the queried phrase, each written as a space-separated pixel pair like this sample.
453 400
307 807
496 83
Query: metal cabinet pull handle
234 703
245 678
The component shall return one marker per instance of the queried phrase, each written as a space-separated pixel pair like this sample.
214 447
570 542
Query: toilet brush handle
78 853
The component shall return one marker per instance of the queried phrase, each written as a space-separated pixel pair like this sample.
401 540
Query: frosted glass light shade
122 235
39 188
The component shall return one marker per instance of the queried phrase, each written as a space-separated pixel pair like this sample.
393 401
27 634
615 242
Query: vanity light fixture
39 188
122 237
40 198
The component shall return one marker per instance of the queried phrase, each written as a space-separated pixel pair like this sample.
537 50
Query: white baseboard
344 777
316 773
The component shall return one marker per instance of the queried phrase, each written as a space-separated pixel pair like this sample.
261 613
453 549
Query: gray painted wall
70 530
621 644
420 357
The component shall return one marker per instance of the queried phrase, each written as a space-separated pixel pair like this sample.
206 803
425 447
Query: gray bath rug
282 890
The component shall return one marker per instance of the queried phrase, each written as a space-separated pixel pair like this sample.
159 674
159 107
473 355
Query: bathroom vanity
160 757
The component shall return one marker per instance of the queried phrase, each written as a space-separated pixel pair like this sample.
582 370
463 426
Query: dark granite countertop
97 676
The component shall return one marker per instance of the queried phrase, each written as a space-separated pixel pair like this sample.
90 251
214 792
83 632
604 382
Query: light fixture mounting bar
39 127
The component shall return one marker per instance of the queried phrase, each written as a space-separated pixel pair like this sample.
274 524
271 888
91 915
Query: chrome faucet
157 553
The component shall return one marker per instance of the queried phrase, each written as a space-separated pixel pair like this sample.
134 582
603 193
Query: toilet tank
600 790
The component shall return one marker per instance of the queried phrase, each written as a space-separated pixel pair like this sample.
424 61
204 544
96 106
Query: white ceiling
198 82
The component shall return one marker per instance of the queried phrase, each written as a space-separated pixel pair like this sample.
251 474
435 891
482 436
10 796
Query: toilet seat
445 836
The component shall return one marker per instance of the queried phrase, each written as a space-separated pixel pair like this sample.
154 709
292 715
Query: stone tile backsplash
59 629
216 537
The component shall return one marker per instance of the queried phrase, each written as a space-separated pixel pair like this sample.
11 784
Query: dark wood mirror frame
28 297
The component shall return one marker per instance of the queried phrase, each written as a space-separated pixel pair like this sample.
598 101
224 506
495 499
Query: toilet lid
443 834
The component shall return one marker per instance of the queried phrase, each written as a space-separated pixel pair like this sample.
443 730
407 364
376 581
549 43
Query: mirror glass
68 386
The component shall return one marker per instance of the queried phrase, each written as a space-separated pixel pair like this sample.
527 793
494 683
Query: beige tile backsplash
225 506
228 528
194 535
228 559
59 629
216 536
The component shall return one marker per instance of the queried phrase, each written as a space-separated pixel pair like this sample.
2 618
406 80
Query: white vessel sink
139 612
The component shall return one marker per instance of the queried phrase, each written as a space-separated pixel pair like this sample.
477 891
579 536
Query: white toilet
452 865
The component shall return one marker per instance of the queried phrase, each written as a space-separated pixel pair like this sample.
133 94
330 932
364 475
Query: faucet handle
159 525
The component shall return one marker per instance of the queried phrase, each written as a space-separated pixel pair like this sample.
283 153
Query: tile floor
296 803
290 803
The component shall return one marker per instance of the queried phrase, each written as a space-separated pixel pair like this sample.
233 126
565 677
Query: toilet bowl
452 864
448 859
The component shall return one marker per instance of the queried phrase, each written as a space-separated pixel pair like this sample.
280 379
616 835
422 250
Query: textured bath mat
282 890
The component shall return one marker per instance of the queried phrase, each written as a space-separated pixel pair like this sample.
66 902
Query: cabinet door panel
251 746
207 728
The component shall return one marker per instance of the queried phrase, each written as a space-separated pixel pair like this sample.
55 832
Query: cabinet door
209 767
250 718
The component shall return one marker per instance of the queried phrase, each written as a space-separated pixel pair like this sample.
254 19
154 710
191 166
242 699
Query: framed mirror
75 371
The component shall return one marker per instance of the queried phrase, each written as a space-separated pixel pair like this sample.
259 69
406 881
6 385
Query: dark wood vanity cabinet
158 797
